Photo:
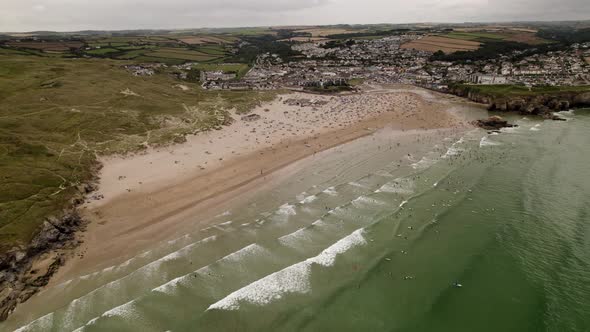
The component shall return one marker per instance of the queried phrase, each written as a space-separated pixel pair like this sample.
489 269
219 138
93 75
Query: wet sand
155 196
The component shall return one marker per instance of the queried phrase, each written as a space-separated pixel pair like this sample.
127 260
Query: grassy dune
58 115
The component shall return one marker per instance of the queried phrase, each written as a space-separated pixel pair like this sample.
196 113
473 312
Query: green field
102 51
212 49
58 115
132 54
474 35
189 56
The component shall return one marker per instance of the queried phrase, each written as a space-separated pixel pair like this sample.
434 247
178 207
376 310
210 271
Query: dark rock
251 117
17 280
493 123
582 99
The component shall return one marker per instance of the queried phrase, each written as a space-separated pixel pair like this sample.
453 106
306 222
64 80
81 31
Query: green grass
212 49
189 56
133 54
9 51
58 115
102 51
168 61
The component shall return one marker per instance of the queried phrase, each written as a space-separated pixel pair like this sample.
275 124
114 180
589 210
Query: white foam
452 151
330 191
150 268
308 199
536 127
319 222
254 248
568 112
120 311
356 184
485 141
287 210
170 285
399 186
424 163
291 240
365 200
403 203
240 254
224 214
301 196
383 174
43 323
293 279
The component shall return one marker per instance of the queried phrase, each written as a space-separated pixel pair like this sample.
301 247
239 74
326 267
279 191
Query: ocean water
443 232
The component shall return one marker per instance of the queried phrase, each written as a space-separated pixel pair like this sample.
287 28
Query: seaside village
388 60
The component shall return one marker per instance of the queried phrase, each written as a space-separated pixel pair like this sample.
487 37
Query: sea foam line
232 257
149 267
292 279
487 142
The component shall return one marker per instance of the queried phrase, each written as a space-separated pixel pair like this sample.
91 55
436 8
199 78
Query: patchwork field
325 32
520 36
304 39
46 46
436 43
474 35
204 40
181 54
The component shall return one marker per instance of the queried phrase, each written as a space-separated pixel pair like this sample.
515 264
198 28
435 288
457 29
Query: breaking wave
293 279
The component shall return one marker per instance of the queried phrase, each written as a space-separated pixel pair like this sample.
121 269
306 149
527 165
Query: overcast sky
69 15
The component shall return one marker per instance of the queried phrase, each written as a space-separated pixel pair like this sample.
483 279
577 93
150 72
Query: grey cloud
26 15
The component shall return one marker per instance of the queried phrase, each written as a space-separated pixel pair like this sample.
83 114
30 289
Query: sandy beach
150 197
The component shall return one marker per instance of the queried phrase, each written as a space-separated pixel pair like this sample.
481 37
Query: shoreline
154 202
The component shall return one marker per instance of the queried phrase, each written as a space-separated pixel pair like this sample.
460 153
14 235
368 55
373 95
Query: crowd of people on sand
286 119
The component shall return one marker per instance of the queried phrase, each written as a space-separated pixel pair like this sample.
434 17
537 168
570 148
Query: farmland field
102 51
186 55
203 40
212 49
326 32
304 39
46 46
474 35
447 45
507 35
133 54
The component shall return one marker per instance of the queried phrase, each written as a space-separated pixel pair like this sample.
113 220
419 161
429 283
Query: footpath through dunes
249 258
157 196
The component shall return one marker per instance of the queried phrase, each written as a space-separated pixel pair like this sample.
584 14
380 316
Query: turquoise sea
445 231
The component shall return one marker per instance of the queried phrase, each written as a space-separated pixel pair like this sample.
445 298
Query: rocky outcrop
493 123
536 104
24 270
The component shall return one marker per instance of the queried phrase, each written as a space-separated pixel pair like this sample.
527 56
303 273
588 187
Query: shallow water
372 238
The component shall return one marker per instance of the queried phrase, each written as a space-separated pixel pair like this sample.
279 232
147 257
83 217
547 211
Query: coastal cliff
25 269
541 102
